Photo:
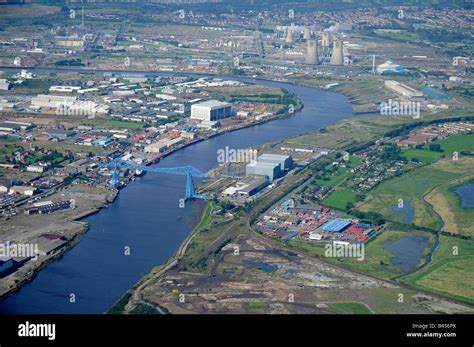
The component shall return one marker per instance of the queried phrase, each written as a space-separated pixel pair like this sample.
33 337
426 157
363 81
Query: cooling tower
337 55
326 39
312 52
307 34
289 36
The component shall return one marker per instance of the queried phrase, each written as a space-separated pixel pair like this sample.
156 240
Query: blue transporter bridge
118 164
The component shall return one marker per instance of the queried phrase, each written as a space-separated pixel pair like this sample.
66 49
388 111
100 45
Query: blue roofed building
336 225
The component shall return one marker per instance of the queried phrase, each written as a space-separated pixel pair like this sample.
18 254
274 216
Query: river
146 216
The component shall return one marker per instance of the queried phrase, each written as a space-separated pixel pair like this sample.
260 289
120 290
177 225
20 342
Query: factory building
22 125
271 165
52 101
285 161
271 170
6 184
9 127
37 168
4 84
157 147
247 187
336 225
60 134
211 110
50 207
71 41
64 89
6 263
251 185
389 68
23 190
402 89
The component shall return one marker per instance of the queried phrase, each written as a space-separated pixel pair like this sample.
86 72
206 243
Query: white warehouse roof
212 104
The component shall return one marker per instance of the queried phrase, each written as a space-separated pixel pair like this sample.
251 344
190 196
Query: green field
8 146
401 36
69 147
143 309
256 305
423 155
205 219
449 274
208 231
411 188
348 308
454 143
447 204
250 93
109 123
340 198
332 181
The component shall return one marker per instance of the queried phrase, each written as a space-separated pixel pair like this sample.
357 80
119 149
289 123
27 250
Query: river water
146 217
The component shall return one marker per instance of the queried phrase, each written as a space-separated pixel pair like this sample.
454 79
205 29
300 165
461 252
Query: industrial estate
306 157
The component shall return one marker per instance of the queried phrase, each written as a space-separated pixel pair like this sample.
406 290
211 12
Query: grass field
256 305
449 274
447 204
250 93
377 260
64 147
27 11
423 155
205 219
333 181
8 146
340 198
411 188
402 36
352 132
348 308
454 143
108 123
207 232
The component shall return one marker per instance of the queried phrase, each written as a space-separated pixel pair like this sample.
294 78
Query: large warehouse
211 110
336 225
285 161
403 89
272 170
271 165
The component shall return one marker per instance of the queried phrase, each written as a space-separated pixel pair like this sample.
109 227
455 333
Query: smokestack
337 57
312 53
307 33
326 39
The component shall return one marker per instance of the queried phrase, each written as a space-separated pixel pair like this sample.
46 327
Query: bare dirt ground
253 276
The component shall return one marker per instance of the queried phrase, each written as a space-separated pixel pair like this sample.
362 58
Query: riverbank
34 268
147 218
156 277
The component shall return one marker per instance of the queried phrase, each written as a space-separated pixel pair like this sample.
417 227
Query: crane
189 171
